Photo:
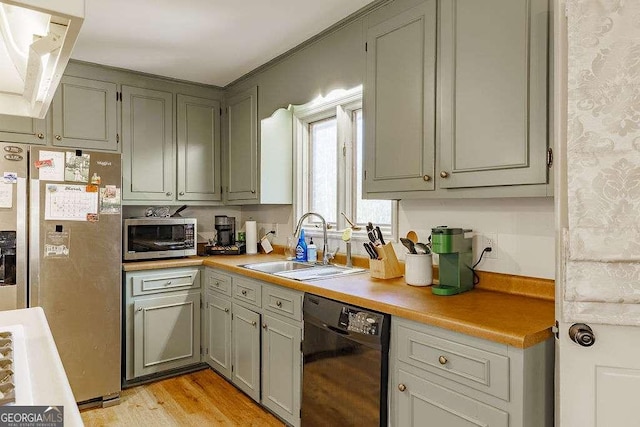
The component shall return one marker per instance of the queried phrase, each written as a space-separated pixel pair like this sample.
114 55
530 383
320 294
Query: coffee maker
7 258
225 243
455 255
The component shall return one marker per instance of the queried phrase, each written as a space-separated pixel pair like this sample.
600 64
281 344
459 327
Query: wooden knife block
387 266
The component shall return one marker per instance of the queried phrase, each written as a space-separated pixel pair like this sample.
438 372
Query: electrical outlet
491 241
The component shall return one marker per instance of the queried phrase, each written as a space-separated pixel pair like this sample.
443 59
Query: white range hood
36 39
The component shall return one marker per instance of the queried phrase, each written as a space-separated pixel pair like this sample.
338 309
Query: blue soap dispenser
301 248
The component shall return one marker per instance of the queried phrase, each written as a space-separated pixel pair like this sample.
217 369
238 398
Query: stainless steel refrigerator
63 207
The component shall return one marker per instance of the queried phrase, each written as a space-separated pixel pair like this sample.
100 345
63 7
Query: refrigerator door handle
21 242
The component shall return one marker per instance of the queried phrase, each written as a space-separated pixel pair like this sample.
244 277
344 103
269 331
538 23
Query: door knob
582 334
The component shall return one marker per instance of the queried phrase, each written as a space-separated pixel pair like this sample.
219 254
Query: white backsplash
523 227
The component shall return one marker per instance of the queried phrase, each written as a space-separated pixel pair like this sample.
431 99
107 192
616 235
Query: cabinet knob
244 292
169 193
40 135
443 360
254 323
217 284
140 309
264 326
279 303
444 174
426 178
226 310
168 283
58 138
181 193
253 191
402 387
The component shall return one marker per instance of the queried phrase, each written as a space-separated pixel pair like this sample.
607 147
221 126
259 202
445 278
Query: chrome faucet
325 252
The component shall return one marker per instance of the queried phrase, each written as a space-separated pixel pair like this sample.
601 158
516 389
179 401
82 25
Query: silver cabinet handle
181 193
226 310
58 138
254 323
279 303
426 178
582 334
40 135
444 174
443 360
402 387
169 193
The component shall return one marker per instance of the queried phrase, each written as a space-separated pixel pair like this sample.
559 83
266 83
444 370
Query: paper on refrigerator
69 202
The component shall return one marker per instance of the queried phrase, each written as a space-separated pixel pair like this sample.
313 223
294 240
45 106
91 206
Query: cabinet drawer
282 301
479 369
218 282
166 281
247 291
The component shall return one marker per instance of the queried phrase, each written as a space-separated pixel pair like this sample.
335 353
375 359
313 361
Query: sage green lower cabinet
281 368
24 130
252 337
218 334
455 380
162 321
246 351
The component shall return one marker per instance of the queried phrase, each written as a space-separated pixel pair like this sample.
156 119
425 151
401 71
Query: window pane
376 211
323 194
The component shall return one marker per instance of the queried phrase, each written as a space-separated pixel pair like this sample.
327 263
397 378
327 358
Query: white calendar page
69 202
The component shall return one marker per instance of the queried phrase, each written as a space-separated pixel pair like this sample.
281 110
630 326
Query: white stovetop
49 385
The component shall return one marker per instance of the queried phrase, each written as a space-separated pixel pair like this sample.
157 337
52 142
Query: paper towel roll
250 227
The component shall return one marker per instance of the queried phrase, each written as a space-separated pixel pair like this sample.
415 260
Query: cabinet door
22 130
281 368
166 332
148 151
399 102
246 351
198 130
218 354
85 114
493 80
418 399
242 146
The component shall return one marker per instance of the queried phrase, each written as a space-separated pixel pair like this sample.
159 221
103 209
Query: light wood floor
201 398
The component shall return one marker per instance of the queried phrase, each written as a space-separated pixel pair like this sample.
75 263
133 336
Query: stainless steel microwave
152 238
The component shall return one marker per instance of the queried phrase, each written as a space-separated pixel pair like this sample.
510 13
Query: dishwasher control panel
359 321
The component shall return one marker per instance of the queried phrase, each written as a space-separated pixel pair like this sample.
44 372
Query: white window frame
341 105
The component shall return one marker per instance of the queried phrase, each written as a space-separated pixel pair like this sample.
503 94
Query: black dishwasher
346 355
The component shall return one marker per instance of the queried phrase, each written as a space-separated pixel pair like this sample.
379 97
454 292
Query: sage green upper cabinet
399 102
493 92
22 130
148 167
85 114
198 130
242 147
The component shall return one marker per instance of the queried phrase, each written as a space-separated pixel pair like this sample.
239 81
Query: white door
596 90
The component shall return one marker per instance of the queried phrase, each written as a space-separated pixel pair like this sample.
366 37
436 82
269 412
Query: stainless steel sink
301 271
277 266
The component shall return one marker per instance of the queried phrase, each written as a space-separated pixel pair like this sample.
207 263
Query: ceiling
207 41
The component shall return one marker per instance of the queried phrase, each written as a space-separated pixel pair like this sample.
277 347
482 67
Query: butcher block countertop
513 310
